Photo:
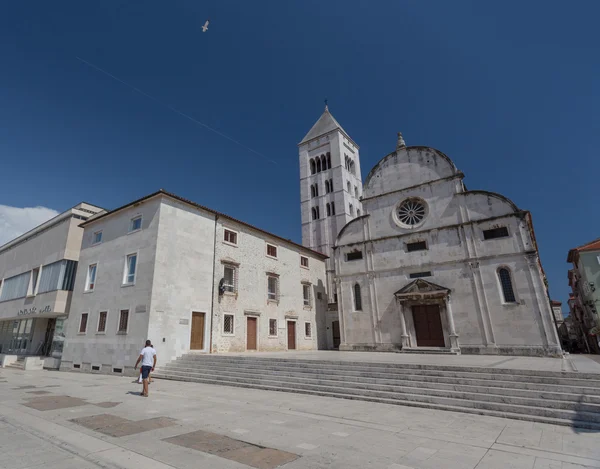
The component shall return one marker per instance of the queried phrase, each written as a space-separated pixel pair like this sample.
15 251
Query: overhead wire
176 111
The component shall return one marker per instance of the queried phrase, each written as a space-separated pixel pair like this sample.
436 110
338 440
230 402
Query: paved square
54 402
235 450
116 426
100 423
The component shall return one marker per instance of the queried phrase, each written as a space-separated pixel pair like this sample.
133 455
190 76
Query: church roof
324 125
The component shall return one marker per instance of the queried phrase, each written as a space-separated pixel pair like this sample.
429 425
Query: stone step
523 412
299 363
547 400
16 366
518 389
360 369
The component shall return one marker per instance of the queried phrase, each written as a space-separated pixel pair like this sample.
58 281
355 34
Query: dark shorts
146 371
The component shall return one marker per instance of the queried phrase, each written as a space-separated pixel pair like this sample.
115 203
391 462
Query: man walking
148 359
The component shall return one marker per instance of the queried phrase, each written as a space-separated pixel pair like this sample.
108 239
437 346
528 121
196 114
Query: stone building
188 278
37 271
584 280
430 265
330 193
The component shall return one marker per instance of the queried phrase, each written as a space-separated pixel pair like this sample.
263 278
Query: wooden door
291 330
428 326
197 337
251 333
335 326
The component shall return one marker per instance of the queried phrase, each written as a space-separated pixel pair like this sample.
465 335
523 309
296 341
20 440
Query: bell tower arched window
314 213
506 283
312 191
328 208
313 167
328 160
318 165
357 298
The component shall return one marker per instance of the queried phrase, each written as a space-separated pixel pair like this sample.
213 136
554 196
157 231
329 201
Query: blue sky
509 90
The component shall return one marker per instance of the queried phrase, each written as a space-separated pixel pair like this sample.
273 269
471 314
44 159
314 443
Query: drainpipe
212 298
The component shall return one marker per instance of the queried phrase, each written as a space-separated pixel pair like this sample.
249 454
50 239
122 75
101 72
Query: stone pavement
89 421
571 363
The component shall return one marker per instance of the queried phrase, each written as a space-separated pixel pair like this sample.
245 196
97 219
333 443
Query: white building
330 193
37 271
188 278
432 265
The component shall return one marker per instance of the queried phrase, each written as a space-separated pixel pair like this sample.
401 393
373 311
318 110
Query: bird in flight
205 27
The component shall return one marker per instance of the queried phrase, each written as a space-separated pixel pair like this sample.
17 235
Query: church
418 263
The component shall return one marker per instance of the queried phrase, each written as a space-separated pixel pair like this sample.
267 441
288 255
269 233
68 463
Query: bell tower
330 187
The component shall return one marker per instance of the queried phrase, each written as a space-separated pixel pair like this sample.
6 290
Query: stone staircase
18 365
561 398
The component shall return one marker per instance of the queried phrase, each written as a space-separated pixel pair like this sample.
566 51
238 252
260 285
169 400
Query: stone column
404 335
453 335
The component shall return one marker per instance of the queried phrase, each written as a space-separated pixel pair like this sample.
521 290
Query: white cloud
15 221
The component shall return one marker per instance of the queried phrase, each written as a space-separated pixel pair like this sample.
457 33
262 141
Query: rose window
411 212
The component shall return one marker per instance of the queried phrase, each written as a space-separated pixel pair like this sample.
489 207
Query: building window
356 192
306 294
354 255
316 190
16 287
328 209
411 212
229 278
57 276
318 165
307 330
272 251
313 168
416 246
327 187
228 324
102 321
348 187
500 232
332 208
130 269
230 236
420 274
35 273
351 209
357 298
83 323
304 261
313 213
272 288
91 277
97 237
358 212
273 327
506 284
123 321
328 160
312 191
135 224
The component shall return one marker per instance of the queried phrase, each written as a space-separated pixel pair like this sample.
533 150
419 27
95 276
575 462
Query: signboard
34 310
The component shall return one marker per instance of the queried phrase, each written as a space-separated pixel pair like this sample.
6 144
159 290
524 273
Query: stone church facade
426 265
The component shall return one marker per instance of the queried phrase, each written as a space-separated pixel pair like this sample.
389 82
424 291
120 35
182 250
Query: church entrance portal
428 325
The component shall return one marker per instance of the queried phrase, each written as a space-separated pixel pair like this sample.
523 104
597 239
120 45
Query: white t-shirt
148 354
